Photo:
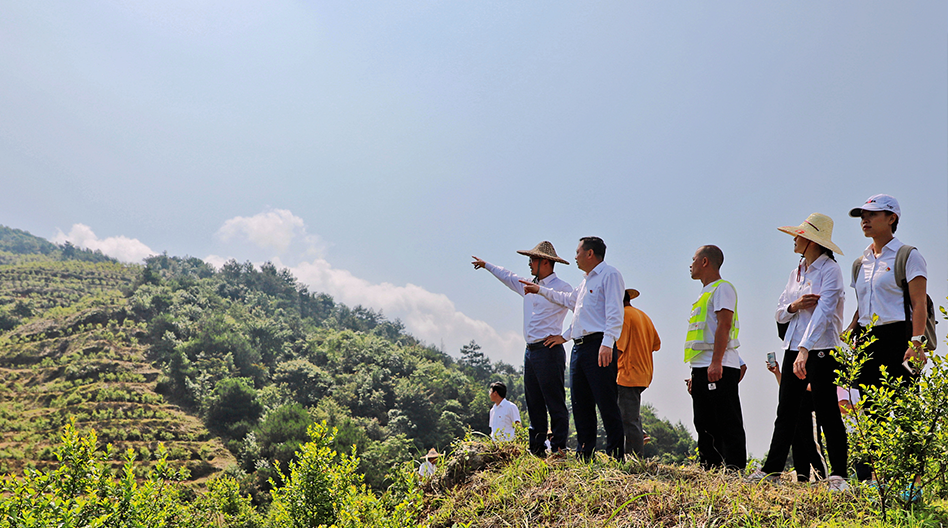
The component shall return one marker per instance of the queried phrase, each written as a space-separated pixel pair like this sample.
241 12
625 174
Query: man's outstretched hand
529 287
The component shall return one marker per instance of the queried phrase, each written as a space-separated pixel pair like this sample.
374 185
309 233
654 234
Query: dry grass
505 486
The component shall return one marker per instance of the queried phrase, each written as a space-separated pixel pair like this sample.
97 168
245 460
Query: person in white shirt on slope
503 414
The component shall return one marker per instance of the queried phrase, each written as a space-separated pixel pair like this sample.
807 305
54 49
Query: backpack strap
901 257
856 265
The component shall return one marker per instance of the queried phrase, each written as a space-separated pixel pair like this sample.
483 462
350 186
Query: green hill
226 368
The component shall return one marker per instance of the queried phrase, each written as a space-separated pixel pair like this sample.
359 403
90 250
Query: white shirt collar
548 279
597 270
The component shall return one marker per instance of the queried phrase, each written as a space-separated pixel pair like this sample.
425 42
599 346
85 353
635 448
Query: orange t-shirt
636 344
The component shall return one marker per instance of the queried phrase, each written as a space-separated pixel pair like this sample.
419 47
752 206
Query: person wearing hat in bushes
812 306
544 366
711 349
900 340
636 344
428 467
597 324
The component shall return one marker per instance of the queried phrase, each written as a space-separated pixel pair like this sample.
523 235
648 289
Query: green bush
82 492
901 431
324 488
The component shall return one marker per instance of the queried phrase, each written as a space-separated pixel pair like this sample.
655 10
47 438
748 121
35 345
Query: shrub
323 487
82 492
900 431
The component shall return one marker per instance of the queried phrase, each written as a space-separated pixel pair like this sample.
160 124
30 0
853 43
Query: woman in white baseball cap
900 327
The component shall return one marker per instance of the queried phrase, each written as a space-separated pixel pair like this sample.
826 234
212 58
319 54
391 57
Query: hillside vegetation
175 394
226 368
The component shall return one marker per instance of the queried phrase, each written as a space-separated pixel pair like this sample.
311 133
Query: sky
374 147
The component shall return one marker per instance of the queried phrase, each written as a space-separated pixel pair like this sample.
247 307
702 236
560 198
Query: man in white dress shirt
544 367
598 315
503 414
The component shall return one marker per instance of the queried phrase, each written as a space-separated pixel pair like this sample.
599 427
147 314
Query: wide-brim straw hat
816 228
432 453
633 293
543 250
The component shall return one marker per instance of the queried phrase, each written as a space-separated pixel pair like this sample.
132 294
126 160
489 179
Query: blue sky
373 147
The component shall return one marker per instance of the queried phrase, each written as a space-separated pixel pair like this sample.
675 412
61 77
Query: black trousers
593 386
821 376
718 419
807 448
889 350
544 376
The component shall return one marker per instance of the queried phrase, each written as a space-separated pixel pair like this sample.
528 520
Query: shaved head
714 254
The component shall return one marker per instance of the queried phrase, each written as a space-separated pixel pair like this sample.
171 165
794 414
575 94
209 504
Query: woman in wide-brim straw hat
812 307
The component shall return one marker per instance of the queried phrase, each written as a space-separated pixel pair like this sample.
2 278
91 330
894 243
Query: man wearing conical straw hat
544 365
597 324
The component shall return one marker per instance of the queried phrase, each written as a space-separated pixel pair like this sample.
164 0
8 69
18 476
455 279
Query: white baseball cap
878 202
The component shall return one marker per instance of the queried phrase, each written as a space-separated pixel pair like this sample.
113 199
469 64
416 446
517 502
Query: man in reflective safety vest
711 348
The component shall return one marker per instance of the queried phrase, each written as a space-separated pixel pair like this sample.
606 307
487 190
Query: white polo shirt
876 290
503 416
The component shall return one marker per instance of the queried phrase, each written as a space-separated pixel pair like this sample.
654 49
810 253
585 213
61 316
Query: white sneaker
836 483
759 475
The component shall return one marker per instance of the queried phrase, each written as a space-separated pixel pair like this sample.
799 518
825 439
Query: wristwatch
922 340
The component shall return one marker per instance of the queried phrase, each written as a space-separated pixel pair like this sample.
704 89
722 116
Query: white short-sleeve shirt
503 416
876 290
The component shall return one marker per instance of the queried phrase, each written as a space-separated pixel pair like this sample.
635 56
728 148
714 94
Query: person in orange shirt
636 344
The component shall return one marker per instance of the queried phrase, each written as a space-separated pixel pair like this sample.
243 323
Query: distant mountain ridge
23 243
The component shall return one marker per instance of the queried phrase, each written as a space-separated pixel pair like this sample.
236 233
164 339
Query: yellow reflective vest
697 342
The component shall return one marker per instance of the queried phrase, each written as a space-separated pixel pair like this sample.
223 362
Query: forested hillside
226 368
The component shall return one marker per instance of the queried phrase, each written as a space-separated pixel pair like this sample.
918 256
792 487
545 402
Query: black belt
536 346
594 335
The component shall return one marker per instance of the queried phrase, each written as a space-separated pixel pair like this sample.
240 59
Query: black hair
499 388
828 252
895 225
714 254
597 246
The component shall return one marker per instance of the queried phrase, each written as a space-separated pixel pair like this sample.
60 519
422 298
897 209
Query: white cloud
273 230
120 247
431 317
216 260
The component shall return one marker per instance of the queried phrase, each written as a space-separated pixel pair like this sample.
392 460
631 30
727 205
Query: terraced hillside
69 350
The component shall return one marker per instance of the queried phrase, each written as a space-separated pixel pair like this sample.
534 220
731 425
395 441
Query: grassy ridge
485 484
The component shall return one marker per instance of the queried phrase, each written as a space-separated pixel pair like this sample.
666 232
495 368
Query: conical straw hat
818 228
432 453
543 250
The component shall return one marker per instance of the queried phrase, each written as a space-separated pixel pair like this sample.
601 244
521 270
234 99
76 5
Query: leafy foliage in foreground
322 489
900 431
82 492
